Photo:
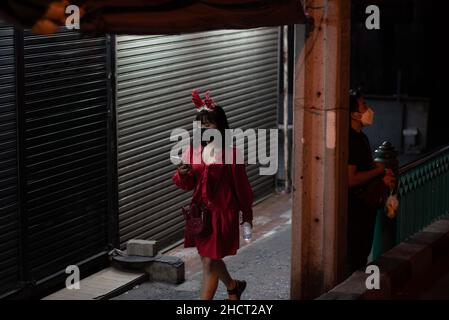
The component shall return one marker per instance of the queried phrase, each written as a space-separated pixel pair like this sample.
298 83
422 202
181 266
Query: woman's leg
210 279
212 271
225 277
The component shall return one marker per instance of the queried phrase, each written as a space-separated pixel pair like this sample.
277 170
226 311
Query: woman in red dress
225 190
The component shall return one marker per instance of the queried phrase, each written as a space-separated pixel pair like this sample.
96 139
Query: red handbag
198 220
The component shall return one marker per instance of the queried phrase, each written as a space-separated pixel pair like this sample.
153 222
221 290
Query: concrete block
395 273
425 238
383 293
131 262
437 241
334 295
143 248
353 285
440 226
419 256
166 269
353 288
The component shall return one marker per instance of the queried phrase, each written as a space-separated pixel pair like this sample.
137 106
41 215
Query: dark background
407 56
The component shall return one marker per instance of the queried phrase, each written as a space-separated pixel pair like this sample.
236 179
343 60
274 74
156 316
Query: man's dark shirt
361 218
359 151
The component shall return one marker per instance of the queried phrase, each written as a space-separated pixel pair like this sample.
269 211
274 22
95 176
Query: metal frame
25 279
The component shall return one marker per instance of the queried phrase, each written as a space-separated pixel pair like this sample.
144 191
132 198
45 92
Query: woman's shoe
240 286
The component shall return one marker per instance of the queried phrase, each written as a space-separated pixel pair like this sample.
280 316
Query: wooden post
321 126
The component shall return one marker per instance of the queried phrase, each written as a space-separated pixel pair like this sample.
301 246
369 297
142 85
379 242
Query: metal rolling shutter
9 218
66 155
155 76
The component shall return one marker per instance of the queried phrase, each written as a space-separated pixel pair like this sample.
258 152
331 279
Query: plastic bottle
247 232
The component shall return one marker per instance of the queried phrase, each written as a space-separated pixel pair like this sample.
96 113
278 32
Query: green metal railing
423 192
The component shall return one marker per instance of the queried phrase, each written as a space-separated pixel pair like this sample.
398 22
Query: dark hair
354 96
216 116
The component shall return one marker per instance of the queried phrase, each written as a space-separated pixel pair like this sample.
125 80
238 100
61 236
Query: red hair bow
208 103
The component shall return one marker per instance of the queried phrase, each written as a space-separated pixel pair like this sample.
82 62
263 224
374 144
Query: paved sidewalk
264 264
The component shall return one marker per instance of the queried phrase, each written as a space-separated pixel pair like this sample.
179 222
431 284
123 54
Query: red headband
208 103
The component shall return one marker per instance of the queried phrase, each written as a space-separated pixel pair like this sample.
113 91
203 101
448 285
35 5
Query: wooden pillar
321 127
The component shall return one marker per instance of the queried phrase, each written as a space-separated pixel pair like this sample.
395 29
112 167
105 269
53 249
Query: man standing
368 182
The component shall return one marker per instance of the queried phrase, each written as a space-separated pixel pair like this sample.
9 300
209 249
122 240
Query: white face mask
367 117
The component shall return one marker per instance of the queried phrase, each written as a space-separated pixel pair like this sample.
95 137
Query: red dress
234 194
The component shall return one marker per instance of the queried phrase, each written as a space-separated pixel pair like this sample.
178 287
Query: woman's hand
184 168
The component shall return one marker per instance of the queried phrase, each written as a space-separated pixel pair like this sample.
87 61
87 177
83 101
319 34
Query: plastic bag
391 205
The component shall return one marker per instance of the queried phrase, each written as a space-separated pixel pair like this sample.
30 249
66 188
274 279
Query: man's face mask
367 117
